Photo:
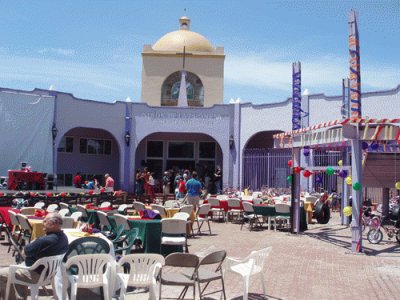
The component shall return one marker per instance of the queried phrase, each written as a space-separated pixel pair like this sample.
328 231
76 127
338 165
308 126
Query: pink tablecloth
224 204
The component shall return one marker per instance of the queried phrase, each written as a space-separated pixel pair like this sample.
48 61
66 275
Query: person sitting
55 242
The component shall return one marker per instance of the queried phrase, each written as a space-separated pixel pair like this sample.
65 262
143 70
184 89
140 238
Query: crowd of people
93 183
176 182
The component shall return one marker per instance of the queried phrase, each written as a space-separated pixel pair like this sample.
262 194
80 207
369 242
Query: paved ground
317 264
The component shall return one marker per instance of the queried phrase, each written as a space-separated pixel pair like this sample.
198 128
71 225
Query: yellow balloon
340 163
397 185
348 211
348 180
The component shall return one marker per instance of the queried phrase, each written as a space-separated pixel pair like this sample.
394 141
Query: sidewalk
316 264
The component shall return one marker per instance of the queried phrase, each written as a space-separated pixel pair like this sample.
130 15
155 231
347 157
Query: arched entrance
91 151
264 166
179 151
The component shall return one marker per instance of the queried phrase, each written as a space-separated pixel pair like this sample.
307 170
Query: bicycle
390 224
369 219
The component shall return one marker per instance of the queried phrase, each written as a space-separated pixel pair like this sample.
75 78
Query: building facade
58 133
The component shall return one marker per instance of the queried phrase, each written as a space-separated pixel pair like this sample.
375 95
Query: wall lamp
231 141
127 138
54 131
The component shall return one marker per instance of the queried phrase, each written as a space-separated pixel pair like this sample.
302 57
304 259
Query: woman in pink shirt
109 186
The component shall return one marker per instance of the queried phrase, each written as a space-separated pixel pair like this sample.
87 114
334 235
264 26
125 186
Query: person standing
109 185
55 242
193 187
77 181
139 185
166 186
218 179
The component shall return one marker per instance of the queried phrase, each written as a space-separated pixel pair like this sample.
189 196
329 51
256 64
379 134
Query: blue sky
92 49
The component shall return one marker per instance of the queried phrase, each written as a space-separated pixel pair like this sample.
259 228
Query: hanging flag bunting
355 75
296 102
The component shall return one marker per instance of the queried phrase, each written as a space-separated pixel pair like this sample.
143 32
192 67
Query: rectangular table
269 211
34 180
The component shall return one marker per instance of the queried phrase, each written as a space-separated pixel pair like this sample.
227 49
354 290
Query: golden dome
176 40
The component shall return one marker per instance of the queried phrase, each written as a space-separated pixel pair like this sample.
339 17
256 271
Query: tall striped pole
355 74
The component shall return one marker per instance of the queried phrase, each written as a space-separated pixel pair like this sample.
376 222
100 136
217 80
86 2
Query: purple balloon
364 145
306 151
343 174
374 146
318 179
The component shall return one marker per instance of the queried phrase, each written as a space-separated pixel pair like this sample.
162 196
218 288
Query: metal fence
266 167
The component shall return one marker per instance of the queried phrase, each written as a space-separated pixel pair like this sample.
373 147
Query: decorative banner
355 75
296 102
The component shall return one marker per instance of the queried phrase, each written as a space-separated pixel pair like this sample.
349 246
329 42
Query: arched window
171 85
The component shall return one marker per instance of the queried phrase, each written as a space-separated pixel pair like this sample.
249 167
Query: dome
176 40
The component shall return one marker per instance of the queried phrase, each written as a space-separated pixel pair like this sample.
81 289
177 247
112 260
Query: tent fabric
25 122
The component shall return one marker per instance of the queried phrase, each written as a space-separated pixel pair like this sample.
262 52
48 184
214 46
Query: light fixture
54 131
127 138
231 141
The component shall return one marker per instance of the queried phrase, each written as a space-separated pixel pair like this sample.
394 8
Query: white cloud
322 74
58 51
82 79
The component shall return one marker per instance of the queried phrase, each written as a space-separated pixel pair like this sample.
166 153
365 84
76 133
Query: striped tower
355 75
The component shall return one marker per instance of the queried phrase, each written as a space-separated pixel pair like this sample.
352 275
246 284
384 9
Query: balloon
356 186
364 145
290 163
348 211
343 174
102 190
330 171
49 194
90 192
397 185
340 163
289 178
306 151
318 179
374 146
297 170
348 180
307 173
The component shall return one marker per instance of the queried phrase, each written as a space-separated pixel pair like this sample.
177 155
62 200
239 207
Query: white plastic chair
50 265
76 216
282 213
161 209
217 209
234 209
105 204
187 209
173 232
64 205
39 205
27 211
143 270
122 209
83 210
93 271
251 265
122 220
68 222
52 208
138 206
64 212
201 217
181 216
170 203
